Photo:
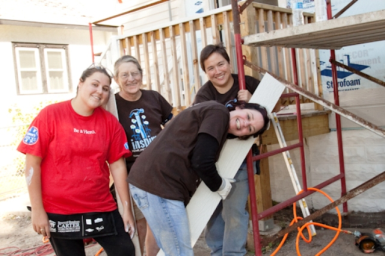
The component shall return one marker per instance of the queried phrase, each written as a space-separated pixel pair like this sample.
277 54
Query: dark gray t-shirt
164 168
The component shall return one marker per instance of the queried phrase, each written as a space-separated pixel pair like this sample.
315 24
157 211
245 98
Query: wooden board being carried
204 202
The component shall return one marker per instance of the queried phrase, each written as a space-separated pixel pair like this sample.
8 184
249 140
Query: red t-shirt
75 151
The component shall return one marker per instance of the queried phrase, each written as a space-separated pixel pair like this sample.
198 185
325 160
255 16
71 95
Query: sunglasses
100 67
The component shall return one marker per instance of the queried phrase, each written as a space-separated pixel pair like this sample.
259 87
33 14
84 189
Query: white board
204 202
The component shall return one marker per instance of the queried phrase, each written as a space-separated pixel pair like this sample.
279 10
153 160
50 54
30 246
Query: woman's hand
40 222
119 174
244 95
129 223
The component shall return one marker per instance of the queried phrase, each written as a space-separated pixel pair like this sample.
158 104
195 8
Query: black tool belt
79 226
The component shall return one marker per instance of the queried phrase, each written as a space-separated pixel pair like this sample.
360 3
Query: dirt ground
16 233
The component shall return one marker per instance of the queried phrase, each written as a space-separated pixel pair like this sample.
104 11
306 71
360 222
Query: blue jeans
226 231
167 220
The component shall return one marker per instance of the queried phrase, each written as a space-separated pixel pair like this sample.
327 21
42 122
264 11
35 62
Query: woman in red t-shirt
71 147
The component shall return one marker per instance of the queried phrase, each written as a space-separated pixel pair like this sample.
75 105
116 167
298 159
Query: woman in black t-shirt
142 114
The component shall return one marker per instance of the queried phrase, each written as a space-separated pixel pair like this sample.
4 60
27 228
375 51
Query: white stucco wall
364 158
79 51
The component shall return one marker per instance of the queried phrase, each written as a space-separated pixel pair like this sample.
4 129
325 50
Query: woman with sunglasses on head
164 177
142 114
226 231
71 148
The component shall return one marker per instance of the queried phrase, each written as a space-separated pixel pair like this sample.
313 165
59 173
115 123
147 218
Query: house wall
79 51
157 14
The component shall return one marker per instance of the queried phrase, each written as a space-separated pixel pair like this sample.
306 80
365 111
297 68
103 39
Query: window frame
37 69
64 70
43 78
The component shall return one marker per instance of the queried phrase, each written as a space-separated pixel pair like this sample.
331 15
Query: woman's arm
203 160
119 173
33 177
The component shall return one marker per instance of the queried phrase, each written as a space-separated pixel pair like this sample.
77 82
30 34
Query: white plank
204 202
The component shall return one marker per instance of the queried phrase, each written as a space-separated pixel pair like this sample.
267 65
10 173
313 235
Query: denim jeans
167 220
226 231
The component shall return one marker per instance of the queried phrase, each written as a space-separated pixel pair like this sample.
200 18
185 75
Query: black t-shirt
164 168
208 91
142 120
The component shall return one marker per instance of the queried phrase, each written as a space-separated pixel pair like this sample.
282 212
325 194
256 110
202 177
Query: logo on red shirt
32 136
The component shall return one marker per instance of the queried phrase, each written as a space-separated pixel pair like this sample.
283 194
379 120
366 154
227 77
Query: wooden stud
197 80
146 61
215 30
175 71
248 19
261 21
317 79
288 70
273 54
128 46
281 68
202 24
166 80
156 86
228 37
262 184
186 78
121 48
136 48
309 70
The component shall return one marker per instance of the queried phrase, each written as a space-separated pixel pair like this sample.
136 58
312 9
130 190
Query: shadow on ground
17 232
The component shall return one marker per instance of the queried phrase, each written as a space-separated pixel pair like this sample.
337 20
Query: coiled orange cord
296 218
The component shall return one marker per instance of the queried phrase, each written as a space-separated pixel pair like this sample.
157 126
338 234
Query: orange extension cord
99 252
296 218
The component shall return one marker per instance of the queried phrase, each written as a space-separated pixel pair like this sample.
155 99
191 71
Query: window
41 68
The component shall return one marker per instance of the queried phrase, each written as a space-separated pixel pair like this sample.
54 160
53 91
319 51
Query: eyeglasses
134 75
